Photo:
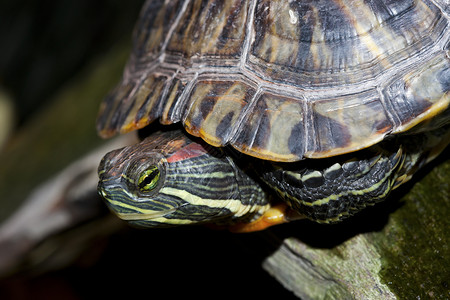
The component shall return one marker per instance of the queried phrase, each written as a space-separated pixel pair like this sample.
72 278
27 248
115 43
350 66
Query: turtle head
168 179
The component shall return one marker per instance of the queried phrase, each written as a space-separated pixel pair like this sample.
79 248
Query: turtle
272 111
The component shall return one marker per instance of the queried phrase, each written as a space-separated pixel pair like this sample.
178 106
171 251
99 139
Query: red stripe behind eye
191 150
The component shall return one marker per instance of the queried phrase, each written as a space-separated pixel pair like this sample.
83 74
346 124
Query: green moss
415 244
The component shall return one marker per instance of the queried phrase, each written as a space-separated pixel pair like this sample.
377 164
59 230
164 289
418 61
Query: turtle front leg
328 191
277 214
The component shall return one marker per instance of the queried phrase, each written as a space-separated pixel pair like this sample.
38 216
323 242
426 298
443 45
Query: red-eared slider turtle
324 106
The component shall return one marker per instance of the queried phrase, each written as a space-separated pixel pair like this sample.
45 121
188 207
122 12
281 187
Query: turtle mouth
145 216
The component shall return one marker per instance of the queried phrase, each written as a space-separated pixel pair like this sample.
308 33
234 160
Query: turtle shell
283 80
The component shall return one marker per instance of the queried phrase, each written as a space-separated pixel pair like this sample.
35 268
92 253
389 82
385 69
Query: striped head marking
168 179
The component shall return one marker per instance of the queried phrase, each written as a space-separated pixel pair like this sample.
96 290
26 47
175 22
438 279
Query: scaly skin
196 184
170 179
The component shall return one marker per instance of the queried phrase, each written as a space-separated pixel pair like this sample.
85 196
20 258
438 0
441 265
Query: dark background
43 45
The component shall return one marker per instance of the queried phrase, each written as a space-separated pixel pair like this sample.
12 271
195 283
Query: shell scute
348 123
170 114
215 109
145 105
139 105
109 114
421 93
152 29
273 129
210 29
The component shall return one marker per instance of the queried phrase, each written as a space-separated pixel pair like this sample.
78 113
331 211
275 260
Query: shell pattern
283 80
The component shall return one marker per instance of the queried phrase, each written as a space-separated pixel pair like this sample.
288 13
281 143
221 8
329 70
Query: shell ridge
182 101
248 35
174 25
443 5
308 129
163 96
245 114
389 110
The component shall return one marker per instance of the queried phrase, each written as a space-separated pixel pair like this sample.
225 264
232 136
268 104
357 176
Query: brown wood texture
396 250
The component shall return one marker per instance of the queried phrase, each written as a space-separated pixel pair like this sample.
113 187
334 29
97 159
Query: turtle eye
149 179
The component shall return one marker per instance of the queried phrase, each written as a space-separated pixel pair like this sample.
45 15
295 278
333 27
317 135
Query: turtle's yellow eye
149 179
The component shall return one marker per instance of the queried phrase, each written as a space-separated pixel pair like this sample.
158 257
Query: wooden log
396 250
